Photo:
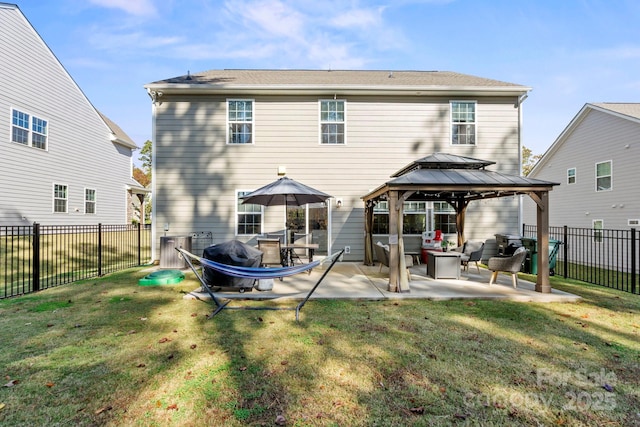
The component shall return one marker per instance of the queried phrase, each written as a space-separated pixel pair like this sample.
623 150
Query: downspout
154 234
518 105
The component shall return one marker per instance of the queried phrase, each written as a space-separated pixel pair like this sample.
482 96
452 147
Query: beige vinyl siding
598 137
80 153
197 173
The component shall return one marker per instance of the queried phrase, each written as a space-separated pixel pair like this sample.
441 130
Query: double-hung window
603 176
444 217
249 216
59 198
89 201
28 130
463 122
332 121
598 226
381 218
414 221
571 176
240 121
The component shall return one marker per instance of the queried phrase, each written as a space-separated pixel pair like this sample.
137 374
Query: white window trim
53 198
236 200
596 230
596 176
475 123
30 129
95 202
253 120
575 176
320 122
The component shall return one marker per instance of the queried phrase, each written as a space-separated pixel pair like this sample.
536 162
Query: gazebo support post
368 233
460 205
542 220
393 242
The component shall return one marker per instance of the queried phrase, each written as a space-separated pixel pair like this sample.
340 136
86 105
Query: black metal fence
37 257
604 257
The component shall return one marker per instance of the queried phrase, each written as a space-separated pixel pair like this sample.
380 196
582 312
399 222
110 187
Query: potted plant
446 244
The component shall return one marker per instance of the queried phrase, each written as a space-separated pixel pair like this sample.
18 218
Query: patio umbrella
285 191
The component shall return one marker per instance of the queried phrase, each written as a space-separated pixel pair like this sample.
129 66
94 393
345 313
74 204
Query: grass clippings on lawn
110 352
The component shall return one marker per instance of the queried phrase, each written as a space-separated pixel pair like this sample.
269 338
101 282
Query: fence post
35 273
139 245
565 250
99 249
633 261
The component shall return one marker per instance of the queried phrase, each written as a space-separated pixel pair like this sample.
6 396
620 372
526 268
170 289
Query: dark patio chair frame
256 273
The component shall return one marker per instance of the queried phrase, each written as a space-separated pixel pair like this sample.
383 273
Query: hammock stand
255 273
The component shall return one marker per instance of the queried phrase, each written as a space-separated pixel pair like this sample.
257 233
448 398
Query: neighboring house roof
136 187
328 81
118 135
627 111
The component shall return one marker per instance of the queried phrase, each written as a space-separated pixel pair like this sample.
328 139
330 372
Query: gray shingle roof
338 79
628 109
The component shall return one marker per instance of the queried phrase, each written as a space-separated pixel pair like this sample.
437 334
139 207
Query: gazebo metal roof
445 177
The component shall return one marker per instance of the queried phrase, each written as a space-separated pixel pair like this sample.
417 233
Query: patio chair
471 252
382 253
271 253
511 264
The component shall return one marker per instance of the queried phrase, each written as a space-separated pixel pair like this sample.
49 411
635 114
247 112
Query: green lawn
110 352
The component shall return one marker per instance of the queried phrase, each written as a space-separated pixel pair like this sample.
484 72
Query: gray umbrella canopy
285 191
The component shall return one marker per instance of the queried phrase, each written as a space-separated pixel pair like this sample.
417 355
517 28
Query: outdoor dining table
290 248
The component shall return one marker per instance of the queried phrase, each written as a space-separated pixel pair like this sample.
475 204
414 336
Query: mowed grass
110 352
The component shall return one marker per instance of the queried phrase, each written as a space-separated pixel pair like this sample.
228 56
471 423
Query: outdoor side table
443 265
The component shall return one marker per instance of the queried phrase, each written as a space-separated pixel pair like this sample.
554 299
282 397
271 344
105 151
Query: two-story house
61 161
222 133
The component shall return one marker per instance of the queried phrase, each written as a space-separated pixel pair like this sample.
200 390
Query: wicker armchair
382 254
511 264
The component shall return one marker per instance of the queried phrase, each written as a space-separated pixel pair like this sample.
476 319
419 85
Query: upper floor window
59 198
240 121
463 122
603 176
332 121
89 201
28 130
571 176
249 216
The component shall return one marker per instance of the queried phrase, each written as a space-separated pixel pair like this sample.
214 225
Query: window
463 122
571 176
28 130
416 215
59 198
444 217
598 226
332 121
240 121
249 216
603 176
89 201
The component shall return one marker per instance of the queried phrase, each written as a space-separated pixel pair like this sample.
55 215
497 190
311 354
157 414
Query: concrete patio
351 280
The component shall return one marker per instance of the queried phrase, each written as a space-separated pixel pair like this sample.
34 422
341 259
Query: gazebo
457 180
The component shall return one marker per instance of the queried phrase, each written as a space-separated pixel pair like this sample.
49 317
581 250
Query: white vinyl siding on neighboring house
28 130
240 121
463 122
248 216
604 176
332 121
89 201
60 198
571 176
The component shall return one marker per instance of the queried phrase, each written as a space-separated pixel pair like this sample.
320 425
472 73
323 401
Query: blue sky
569 51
